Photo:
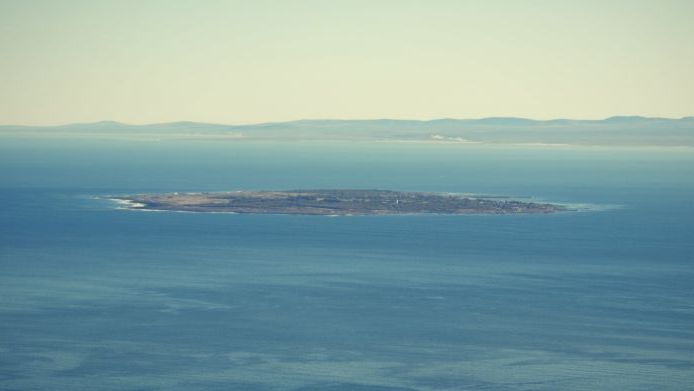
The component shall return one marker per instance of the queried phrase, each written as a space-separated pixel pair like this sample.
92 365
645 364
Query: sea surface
97 298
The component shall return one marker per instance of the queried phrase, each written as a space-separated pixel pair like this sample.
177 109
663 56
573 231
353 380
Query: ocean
95 297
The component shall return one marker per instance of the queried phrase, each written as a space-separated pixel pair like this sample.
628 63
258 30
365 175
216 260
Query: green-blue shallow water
92 297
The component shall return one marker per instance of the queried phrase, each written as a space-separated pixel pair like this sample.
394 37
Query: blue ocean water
92 297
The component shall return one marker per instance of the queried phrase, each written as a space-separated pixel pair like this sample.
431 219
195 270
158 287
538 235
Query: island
334 202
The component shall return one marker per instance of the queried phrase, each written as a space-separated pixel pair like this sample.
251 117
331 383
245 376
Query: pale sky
257 61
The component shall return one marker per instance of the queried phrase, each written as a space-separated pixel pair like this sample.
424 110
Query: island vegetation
335 202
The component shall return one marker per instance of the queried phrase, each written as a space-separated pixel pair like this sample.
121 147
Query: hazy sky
254 61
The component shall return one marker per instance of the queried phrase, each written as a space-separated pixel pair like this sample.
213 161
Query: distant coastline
613 131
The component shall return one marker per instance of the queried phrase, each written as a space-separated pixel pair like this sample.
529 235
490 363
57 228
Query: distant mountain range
620 130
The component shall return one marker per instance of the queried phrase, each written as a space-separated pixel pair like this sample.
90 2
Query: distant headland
334 202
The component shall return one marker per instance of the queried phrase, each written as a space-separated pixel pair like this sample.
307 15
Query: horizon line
115 122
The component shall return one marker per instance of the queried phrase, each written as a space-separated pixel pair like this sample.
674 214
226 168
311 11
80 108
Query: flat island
336 202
